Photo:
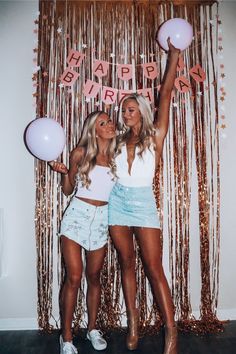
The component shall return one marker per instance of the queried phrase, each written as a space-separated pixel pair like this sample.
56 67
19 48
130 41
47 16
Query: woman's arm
68 178
162 122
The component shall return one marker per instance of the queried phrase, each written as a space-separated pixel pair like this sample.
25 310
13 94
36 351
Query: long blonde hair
147 130
88 142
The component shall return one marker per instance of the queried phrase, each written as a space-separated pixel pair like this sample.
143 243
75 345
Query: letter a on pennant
182 84
69 77
75 58
91 88
100 68
197 73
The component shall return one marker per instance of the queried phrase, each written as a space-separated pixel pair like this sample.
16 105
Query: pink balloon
179 31
45 138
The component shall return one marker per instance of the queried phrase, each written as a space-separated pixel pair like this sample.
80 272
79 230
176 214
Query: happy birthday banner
125 72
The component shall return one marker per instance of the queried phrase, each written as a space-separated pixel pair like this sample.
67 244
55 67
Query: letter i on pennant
91 88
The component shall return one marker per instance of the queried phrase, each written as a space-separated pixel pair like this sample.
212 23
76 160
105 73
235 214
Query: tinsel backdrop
123 32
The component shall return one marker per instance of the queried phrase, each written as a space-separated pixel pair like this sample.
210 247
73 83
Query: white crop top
142 169
101 184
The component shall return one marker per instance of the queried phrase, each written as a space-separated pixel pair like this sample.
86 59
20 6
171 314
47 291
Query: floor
38 342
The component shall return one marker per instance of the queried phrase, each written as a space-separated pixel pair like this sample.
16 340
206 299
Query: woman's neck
102 147
134 137
135 131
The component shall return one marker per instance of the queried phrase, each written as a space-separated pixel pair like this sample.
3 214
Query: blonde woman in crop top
132 206
85 222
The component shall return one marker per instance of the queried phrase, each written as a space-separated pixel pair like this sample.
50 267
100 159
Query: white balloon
179 31
45 138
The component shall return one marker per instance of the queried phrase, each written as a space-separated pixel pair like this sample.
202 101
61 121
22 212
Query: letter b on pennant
69 77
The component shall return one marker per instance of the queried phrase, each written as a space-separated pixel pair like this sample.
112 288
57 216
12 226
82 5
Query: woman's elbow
67 190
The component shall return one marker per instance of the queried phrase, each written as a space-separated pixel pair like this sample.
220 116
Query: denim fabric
85 224
133 206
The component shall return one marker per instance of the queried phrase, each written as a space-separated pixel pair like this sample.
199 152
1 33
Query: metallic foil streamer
127 29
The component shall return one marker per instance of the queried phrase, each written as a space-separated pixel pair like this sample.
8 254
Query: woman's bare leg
150 247
94 263
122 237
71 252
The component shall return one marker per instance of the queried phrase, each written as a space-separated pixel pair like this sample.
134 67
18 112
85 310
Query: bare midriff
93 202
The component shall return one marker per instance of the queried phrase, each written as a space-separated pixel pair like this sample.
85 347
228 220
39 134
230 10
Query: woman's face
131 114
104 127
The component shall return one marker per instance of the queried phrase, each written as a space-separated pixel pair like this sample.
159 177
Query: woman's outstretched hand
58 167
172 49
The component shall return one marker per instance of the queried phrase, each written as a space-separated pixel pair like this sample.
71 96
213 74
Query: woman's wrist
174 54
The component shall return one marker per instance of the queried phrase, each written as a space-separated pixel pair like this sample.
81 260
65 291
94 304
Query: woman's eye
102 124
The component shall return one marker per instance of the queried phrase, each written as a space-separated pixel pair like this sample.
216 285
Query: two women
132 210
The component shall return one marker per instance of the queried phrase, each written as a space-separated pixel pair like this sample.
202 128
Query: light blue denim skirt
133 206
85 224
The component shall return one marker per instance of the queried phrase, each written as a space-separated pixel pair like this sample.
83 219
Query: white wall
227 298
18 305
18 293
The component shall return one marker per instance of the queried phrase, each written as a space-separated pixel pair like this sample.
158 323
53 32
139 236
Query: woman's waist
130 181
88 204
100 193
93 201
133 193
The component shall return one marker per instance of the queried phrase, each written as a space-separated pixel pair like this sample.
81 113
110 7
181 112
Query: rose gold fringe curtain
119 32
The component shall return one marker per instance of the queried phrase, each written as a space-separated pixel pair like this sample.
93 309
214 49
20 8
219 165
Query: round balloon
179 31
45 138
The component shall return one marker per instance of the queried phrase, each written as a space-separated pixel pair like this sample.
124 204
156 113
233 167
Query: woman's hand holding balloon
58 167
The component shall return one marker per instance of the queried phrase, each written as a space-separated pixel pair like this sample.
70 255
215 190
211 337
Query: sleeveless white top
101 184
142 169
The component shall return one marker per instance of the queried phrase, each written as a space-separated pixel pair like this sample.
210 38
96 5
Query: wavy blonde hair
147 130
88 142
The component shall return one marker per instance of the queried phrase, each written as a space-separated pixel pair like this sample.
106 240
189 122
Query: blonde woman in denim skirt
132 206
85 222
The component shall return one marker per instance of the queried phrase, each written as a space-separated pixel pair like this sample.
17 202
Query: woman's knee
127 262
154 272
73 280
93 278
